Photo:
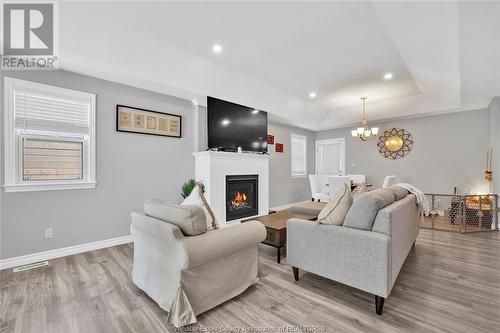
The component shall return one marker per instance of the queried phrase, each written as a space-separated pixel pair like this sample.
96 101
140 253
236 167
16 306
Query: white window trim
12 182
300 137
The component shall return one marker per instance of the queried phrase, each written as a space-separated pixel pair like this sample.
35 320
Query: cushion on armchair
365 207
198 198
190 219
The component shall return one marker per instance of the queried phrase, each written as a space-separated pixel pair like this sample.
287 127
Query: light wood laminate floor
449 283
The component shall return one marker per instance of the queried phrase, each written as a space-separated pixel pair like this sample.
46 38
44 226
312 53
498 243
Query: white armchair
389 181
319 188
335 183
357 179
188 275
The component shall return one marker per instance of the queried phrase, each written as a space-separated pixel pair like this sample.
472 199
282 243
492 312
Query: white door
330 157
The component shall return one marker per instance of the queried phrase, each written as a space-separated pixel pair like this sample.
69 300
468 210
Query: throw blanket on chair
422 201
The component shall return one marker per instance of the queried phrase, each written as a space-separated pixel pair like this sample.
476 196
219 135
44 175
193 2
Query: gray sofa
367 252
184 268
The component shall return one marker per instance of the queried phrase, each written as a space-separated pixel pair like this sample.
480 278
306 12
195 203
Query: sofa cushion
198 198
336 209
190 219
360 189
365 207
399 192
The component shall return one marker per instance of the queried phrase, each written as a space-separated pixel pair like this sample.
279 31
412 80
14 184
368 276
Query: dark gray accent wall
130 169
449 151
283 189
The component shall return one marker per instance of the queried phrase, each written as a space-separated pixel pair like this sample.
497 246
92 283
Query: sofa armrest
220 243
359 258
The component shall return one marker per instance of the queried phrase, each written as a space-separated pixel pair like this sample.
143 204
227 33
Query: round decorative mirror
395 143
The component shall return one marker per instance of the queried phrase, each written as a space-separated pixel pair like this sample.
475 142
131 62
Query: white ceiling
445 56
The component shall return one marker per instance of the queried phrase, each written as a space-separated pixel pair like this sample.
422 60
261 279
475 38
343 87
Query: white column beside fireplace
212 168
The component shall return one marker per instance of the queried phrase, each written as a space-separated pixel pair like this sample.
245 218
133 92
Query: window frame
13 140
298 137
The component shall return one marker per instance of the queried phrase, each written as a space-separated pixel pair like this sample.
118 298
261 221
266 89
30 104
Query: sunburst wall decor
395 143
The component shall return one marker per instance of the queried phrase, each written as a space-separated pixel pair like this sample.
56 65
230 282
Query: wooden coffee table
276 227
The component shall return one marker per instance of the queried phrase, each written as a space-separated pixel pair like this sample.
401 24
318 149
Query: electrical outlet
49 233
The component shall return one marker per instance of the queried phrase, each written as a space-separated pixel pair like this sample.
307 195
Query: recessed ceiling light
312 94
217 48
255 111
388 76
225 122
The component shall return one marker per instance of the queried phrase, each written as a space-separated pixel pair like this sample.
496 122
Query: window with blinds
50 143
37 112
299 155
52 159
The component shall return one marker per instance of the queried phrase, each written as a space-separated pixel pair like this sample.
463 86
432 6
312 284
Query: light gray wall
283 189
130 169
494 113
449 150
202 128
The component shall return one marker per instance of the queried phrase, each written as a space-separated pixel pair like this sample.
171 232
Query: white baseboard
288 205
62 252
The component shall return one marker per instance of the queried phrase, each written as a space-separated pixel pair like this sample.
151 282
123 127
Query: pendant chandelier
364 132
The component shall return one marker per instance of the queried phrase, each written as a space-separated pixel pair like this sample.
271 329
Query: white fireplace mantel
212 167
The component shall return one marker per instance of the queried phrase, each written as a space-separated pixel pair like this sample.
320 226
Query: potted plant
188 187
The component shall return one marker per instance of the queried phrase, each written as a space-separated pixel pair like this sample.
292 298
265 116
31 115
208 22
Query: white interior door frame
340 141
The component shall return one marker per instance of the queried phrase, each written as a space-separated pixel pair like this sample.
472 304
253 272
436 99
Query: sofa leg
295 273
379 304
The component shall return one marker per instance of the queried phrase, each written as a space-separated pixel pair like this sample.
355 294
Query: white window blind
49 137
299 155
50 113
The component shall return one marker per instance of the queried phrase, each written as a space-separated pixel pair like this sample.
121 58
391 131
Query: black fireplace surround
242 196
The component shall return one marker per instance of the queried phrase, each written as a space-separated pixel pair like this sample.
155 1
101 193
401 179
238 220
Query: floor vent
30 266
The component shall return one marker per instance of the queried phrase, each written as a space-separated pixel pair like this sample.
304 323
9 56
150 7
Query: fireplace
242 196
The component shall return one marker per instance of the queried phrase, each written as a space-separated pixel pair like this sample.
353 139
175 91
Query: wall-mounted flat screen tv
232 125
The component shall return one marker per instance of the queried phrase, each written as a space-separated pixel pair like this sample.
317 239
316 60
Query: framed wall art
136 120
270 139
279 147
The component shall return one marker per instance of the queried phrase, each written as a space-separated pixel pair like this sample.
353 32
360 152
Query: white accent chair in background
335 183
389 181
357 179
319 188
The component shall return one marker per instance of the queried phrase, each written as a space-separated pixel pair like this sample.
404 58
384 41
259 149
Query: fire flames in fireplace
242 196
239 200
